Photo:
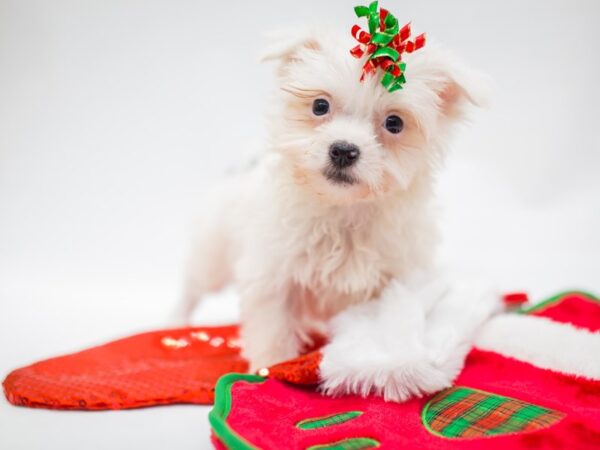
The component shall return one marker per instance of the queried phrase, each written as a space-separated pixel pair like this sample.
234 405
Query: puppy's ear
288 46
456 86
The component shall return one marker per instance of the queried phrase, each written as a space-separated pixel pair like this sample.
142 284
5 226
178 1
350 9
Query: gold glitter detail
200 335
168 341
217 341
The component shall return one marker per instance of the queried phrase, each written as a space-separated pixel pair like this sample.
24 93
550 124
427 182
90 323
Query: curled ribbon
384 44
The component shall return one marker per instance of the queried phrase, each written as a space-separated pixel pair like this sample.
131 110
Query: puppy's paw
267 352
388 377
380 347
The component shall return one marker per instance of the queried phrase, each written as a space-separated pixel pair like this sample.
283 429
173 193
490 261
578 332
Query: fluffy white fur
546 344
411 341
302 248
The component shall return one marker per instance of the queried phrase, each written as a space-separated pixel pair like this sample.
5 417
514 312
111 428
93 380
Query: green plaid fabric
462 412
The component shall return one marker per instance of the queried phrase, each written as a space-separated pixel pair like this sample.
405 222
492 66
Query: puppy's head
348 140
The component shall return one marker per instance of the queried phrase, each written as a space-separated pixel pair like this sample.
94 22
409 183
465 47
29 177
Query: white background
114 114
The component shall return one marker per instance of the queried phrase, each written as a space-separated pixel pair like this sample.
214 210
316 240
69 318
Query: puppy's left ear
456 86
289 46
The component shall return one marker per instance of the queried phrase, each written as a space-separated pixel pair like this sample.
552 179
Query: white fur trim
544 343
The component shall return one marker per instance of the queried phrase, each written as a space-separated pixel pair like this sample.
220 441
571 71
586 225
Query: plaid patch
462 412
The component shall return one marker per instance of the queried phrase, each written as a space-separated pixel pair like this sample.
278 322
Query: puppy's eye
393 124
320 107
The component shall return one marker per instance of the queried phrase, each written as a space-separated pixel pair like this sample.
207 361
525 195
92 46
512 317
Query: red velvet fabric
266 414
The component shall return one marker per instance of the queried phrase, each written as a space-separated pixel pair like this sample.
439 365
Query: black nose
343 154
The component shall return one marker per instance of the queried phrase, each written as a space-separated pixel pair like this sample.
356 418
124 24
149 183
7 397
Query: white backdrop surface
115 114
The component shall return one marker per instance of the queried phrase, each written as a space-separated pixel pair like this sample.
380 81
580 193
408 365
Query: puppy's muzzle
343 154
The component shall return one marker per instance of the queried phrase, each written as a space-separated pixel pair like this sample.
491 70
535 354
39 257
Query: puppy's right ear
288 46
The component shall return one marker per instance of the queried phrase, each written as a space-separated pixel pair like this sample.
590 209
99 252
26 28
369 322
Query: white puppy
337 210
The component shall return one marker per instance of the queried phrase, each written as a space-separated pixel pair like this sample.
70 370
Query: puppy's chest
341 265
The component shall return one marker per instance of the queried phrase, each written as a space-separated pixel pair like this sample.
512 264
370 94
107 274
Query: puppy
337 218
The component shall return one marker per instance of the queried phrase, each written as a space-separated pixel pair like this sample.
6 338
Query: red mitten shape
160 367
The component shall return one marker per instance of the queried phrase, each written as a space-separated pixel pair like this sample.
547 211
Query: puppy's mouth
339 176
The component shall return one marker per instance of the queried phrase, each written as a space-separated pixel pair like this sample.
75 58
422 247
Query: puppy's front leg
379 347
268 329
411 341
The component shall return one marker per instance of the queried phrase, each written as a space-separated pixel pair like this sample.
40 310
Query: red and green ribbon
384 43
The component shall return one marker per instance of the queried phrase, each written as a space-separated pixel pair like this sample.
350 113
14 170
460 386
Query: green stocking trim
218 414
557 299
